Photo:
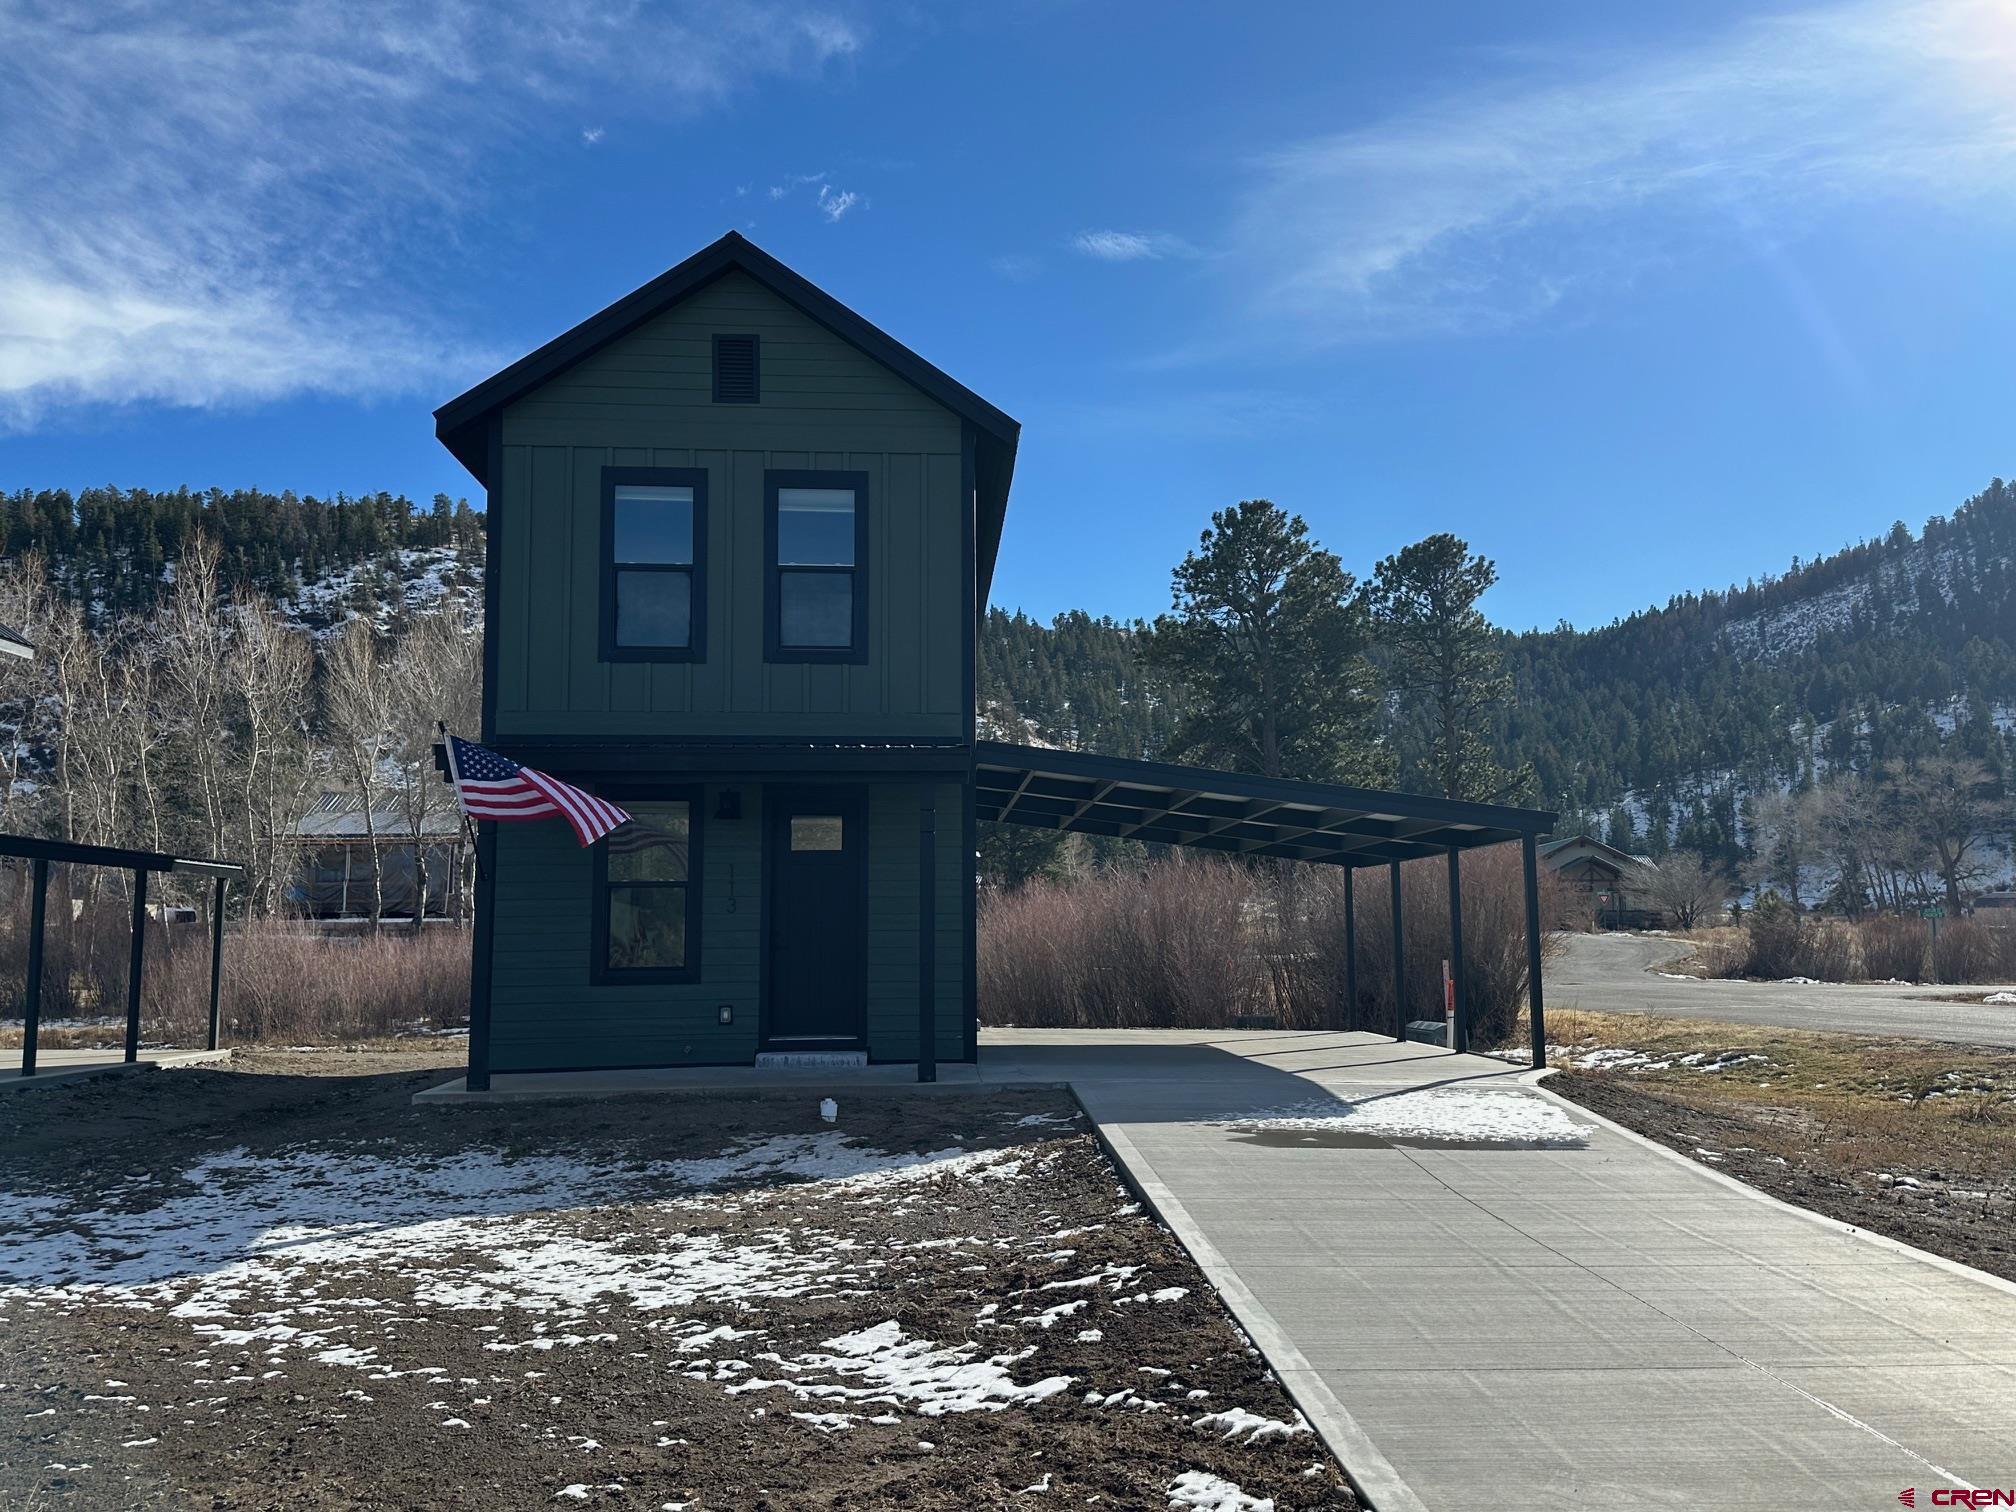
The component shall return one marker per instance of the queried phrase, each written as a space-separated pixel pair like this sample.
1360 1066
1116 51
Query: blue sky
1636 299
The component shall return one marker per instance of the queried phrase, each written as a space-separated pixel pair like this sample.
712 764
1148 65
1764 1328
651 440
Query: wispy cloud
1130 246
204 203
1016 267
829 201
590 135
1493 206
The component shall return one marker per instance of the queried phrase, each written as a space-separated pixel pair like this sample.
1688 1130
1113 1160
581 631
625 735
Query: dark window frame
774 649
600 972
695 648
755 366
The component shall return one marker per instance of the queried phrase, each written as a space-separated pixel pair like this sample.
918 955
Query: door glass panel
815 608
815 527
654 525
654 608
647 927
817 832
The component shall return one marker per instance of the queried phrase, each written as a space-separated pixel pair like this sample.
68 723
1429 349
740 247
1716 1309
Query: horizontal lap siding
893 919
544 1012
647 401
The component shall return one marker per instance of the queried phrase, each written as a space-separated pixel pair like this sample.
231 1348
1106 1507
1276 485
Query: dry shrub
1893 949
282 981
1777 943
1966 952
1196 943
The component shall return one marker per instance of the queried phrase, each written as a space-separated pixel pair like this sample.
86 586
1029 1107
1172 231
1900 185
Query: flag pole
477 1078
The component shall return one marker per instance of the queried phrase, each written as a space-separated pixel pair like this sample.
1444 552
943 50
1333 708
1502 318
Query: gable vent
735 370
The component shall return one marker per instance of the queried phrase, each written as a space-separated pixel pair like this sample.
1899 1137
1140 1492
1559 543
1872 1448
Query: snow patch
1197 1491
1451 1113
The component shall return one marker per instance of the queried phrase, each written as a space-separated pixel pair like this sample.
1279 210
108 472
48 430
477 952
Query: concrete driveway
1618 973
1485 1298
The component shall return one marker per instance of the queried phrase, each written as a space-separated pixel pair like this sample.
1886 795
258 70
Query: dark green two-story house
737 539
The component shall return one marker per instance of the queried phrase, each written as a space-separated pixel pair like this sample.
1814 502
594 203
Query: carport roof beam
1233 812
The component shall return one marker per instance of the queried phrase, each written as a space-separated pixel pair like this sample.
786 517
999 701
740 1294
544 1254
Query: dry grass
282 983
1912 1138
1197 943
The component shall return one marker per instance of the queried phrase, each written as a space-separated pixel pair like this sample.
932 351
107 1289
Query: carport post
1399 962
1536 1010
134 962
927 943
216 957
1456 950
1350 1014
38 916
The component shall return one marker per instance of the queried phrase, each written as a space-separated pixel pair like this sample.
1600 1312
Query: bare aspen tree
436 674
195 646
269 671
360 703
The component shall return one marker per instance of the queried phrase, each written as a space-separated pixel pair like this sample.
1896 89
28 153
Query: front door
817 921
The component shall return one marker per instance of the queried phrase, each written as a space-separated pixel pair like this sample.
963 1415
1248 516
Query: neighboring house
333 876
12 643
737 539
1600 886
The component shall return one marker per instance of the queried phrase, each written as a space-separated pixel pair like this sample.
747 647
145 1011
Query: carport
39 853
1275 818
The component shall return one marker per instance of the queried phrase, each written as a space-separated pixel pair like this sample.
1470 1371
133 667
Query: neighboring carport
1273 818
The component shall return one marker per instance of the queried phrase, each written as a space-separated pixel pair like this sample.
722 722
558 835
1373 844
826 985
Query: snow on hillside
1883 596
412 580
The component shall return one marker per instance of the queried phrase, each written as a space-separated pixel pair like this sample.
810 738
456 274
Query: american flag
489 786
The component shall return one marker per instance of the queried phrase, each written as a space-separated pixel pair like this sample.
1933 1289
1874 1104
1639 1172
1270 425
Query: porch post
1350 1015
216 957
38 916
1456 949
1399 962
927 942
1536 1011
478 1076
134 962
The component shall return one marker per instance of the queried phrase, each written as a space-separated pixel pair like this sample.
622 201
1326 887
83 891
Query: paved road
1598 1325
1618 973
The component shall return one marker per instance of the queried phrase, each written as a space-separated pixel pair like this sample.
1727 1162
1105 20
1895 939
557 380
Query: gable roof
460 423
1604 850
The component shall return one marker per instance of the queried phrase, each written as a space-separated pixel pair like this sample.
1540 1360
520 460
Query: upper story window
654 553
816 600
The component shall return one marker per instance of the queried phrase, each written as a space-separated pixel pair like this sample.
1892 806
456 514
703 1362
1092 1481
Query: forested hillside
1660 727
1657 730
110 548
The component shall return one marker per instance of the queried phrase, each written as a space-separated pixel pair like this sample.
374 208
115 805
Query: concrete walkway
1504 1327
54 1068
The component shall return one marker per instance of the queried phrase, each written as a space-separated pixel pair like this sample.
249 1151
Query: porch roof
1231 811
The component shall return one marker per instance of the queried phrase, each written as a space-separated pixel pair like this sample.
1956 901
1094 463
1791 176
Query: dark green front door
817 959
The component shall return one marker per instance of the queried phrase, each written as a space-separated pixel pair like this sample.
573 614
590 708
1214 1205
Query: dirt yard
279 1285
1909 1138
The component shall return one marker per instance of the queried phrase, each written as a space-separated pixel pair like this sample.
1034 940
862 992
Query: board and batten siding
646 401
547 1016
893 917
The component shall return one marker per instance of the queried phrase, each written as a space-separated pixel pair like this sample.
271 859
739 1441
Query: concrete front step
825 1060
